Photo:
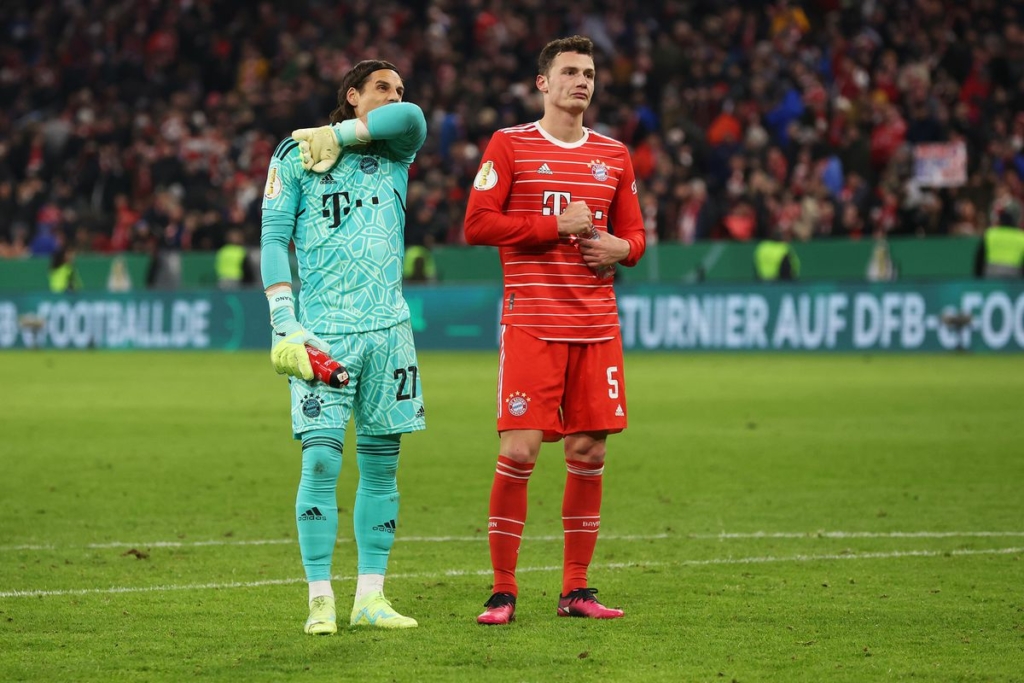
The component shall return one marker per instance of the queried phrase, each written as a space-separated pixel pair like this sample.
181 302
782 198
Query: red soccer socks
506 521
581 520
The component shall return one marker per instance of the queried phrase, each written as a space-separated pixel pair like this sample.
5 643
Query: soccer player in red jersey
560 202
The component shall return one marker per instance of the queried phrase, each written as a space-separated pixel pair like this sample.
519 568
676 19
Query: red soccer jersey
526 180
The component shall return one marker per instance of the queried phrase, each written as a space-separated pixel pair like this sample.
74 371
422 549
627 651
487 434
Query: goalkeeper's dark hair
356 78
580 44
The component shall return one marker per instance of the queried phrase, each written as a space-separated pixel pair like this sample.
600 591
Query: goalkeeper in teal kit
347 220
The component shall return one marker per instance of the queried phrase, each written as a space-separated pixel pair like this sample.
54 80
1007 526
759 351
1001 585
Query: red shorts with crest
560 388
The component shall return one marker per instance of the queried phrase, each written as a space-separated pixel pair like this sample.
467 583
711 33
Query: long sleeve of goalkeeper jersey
275 236
400 124
281 200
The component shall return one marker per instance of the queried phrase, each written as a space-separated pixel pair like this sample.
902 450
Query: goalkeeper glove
320 148
288 355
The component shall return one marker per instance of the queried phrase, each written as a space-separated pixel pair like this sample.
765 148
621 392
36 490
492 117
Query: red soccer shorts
560 388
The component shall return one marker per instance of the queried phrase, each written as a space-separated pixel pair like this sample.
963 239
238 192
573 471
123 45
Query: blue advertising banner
903 317
982 316
442 317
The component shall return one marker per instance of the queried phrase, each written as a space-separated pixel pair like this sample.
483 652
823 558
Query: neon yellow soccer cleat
323 620
375 610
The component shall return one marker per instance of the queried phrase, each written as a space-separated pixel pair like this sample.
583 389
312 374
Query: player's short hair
356 78
580 44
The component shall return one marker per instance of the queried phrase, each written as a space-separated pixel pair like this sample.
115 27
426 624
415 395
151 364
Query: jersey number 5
613 383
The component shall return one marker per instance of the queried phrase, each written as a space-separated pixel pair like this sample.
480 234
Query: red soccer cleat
501 609
582 603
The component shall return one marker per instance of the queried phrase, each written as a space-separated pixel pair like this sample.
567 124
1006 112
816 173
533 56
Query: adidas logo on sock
327 180
313 514
388 526
545 170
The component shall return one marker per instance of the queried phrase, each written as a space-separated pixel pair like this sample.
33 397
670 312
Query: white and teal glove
288 355
320 148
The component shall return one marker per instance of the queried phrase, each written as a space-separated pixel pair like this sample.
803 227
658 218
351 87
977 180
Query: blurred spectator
697 215
968 221
775 260
1000 253
63 275
233 266
419 261
147 127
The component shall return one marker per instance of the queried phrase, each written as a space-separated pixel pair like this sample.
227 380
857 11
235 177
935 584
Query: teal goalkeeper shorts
383 394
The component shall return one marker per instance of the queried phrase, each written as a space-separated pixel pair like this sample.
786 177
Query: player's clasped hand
318 147
576 219
289 355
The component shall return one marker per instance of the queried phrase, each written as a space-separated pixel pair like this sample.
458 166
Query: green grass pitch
766 518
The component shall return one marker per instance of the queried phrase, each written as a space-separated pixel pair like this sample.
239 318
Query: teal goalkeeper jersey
348 226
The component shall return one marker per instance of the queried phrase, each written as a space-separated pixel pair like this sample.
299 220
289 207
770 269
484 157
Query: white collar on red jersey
567 145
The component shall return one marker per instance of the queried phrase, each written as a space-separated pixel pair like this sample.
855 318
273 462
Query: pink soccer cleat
501 609
582 603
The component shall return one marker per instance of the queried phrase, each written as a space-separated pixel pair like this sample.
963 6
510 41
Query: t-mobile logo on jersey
555 203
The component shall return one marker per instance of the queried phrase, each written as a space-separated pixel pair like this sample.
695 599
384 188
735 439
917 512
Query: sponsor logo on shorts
518 403
311 405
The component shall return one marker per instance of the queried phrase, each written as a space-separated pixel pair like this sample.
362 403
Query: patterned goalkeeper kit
349 244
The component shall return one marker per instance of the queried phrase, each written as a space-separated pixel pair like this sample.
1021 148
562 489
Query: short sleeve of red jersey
625 217
486 221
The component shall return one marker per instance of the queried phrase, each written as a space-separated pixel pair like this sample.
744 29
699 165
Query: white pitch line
481 538
288 541
859 534
487 572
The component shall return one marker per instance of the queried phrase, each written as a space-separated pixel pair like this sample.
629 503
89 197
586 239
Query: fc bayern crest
517 403
311 405
368 165
599 170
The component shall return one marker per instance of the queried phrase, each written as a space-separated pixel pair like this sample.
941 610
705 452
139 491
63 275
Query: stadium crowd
148 125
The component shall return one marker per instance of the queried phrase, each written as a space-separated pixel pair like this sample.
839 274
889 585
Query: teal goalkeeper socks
316 503
375 517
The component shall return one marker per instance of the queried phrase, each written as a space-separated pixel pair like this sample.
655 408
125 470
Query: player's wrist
351 132
282 307
624 249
